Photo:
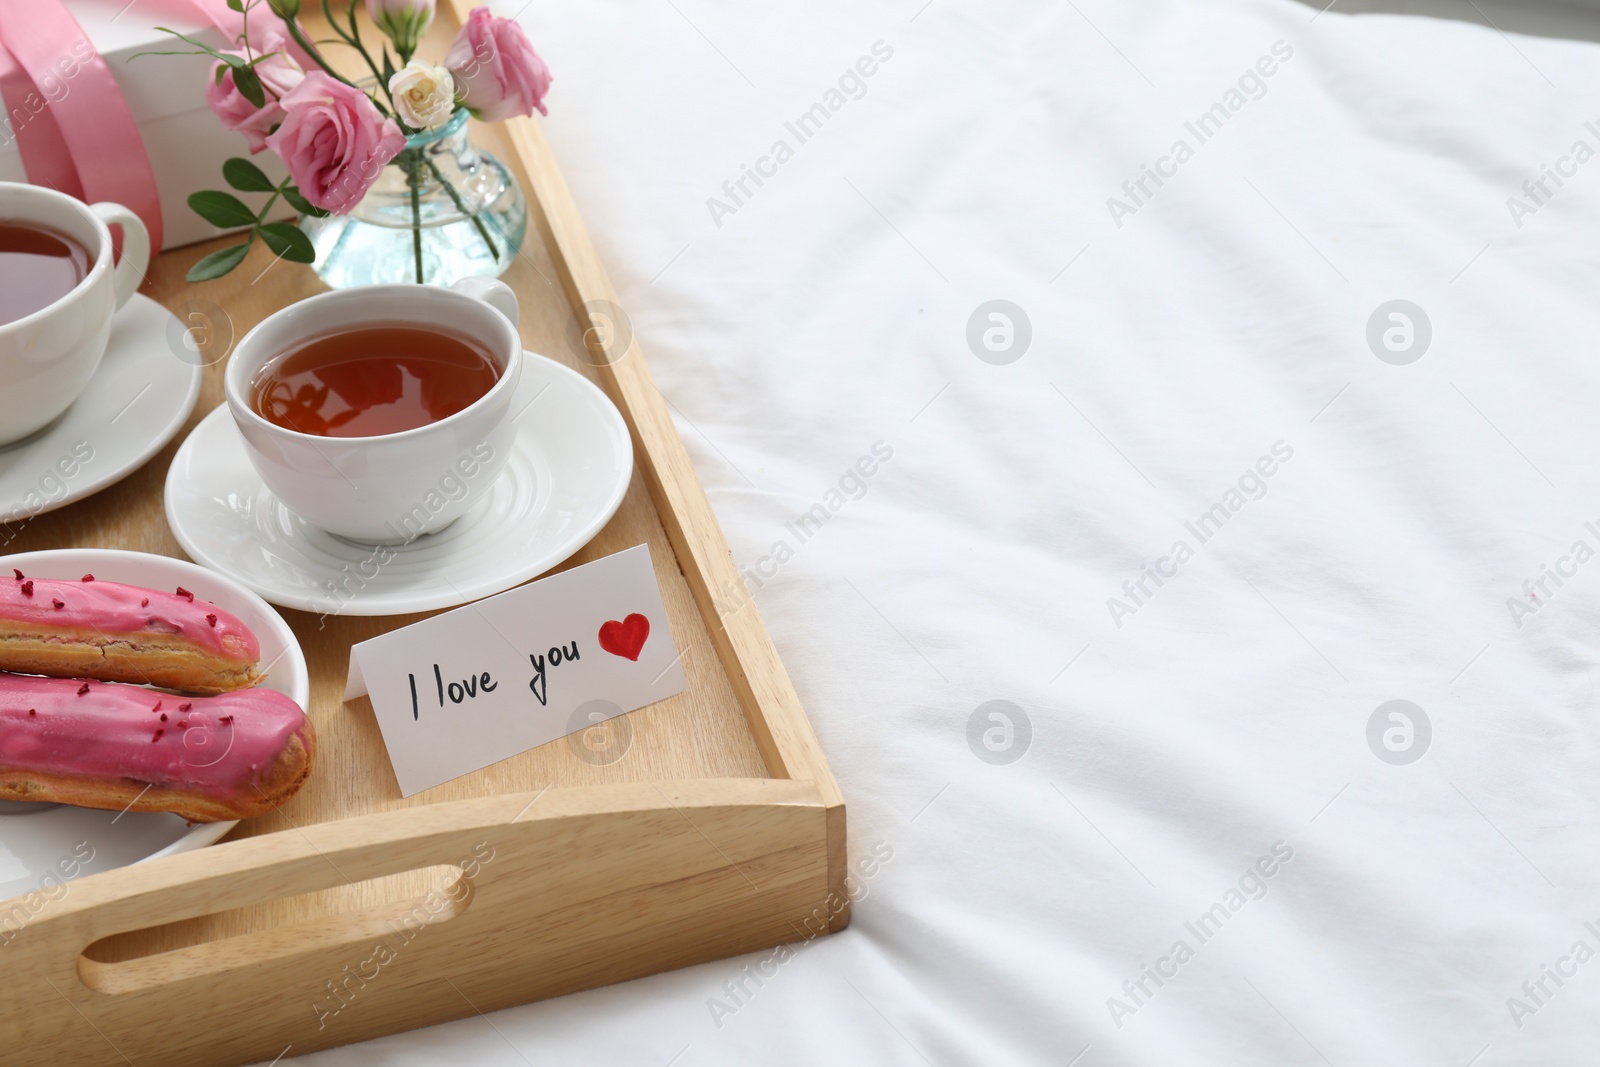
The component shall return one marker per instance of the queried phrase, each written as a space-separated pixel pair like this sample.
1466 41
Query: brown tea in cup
38 266
367 381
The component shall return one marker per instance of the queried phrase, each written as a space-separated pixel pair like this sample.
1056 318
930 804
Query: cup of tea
58 291
380 413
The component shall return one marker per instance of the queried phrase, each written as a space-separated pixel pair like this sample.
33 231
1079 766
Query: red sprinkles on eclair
123 633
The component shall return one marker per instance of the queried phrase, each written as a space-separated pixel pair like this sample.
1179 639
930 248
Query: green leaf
236 5
246 176
221 209
248 83
153 52
301 204
218 263
388 68
286 240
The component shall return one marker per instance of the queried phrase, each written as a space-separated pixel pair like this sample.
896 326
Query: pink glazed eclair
122 633
126 748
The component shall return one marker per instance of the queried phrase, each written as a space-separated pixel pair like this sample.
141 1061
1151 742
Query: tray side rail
777 720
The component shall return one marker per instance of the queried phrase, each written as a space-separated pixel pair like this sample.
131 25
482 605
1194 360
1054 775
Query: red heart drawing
625 638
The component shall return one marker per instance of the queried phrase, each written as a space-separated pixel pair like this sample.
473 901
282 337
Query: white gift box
166 94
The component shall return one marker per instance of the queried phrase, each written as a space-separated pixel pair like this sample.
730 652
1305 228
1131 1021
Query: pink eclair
87 629
125 748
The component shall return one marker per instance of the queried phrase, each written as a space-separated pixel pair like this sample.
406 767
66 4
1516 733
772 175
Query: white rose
425 95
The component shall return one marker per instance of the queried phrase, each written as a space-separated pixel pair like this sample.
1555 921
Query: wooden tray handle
347 932
574 843
271 867
256 870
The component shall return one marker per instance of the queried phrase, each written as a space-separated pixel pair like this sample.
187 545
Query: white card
497 677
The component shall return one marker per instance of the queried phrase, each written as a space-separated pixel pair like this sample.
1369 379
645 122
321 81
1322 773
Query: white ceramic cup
48 357
392 488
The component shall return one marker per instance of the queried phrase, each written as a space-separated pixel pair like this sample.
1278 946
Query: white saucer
566 477
34 838
137 400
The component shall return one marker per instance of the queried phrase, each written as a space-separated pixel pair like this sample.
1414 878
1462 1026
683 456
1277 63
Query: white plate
566 477
137 400
35 837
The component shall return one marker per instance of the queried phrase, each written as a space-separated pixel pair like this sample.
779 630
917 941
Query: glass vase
441 211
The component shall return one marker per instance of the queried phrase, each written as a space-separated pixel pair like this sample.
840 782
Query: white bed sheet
1228 712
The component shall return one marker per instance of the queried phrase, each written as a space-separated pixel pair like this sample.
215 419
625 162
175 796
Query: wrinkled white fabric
1180 738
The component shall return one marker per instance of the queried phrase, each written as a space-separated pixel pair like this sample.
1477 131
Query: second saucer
136 402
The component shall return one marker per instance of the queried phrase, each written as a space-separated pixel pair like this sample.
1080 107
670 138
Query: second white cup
48 357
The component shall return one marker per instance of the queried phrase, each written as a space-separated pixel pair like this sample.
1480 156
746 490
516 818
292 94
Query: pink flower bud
497 73
404 21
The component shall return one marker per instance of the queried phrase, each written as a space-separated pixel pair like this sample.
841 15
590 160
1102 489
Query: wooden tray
345 915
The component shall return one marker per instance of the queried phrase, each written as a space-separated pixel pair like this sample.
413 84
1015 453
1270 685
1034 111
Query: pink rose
498 74
279 75
334 141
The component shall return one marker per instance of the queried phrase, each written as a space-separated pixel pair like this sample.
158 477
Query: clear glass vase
441 211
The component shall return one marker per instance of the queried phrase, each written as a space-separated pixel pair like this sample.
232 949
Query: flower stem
416 216
311 50
327 13
461 206
273 199
353 39
377 75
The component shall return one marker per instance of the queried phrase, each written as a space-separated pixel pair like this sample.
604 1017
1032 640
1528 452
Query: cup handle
129 272
495 293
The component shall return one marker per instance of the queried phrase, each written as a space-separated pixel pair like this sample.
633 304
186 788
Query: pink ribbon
44 153
83 142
